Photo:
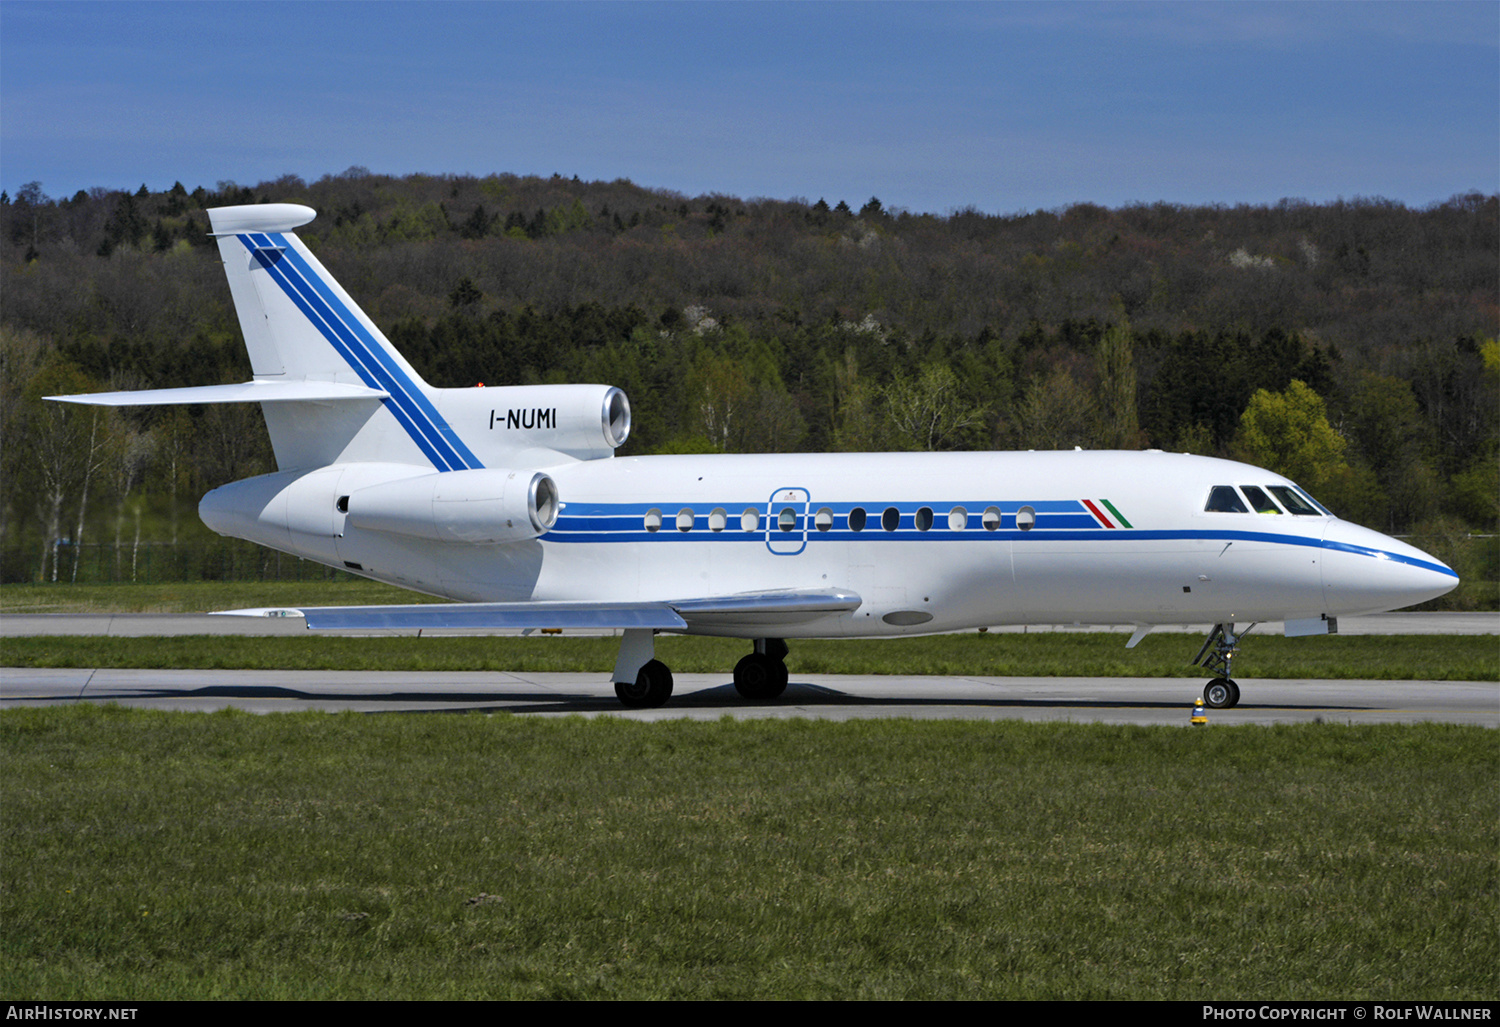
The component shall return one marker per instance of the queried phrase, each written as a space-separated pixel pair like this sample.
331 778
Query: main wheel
759 677
1221 694
652 687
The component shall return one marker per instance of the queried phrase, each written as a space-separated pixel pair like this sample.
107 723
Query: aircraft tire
652 687
1221 694
758 677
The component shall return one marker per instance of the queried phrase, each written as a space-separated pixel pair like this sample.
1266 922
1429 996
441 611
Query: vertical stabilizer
300 325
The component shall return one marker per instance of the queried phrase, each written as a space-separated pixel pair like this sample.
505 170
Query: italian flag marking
1100 513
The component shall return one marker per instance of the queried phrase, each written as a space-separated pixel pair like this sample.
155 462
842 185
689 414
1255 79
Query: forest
1351 345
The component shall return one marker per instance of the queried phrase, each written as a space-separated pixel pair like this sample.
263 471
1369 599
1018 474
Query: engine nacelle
520 425
478 507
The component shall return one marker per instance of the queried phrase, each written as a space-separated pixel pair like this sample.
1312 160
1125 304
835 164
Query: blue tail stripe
370 360
358 358
332 321
421 405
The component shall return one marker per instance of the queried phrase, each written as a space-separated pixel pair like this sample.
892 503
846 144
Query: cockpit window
1263 503
1293 500
1321 508
1224 499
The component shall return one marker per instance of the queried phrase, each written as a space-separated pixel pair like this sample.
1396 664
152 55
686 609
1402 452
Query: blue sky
931 107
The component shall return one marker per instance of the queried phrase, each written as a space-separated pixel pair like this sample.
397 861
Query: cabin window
1026 518
1224 499
891 519
991 519
823 519
750 519
653 520
857 519
1293 501
685 518
787 519
717 519
924 519
958 519
1262 503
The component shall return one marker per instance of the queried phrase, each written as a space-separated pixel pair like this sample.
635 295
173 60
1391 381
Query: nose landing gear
1221 693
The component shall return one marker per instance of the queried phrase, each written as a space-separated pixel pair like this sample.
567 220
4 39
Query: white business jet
511 501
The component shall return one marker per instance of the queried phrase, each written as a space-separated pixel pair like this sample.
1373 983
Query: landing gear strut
1217 654
762 674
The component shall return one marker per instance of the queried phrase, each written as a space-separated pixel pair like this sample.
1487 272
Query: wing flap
764 609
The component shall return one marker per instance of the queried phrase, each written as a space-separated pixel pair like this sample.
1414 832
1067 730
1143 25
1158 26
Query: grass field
148 855
197 596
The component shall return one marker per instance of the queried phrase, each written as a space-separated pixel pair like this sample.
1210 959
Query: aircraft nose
1367 572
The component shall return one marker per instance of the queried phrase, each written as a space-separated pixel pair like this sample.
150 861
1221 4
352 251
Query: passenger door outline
779 541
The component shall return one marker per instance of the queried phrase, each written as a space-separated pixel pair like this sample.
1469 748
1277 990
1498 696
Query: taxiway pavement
710 696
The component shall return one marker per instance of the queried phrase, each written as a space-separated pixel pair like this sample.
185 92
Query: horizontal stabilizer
243 392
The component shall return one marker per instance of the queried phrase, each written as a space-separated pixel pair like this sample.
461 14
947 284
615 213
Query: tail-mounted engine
519 425
322 513
478 507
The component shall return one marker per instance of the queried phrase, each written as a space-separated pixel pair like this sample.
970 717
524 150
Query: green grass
197 596
149 855
1377 657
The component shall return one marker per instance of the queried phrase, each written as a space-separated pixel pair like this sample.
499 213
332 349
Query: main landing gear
1217 654
762 674
652 686
643 682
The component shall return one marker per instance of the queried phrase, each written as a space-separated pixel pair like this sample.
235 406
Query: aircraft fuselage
930 542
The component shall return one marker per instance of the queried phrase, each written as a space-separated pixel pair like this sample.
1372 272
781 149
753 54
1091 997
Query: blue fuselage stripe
621 527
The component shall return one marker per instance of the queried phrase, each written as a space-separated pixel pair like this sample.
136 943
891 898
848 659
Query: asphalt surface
711 696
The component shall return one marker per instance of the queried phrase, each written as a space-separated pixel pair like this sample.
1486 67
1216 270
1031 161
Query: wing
731 614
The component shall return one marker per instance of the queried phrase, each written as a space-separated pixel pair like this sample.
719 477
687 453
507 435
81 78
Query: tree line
1353 342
